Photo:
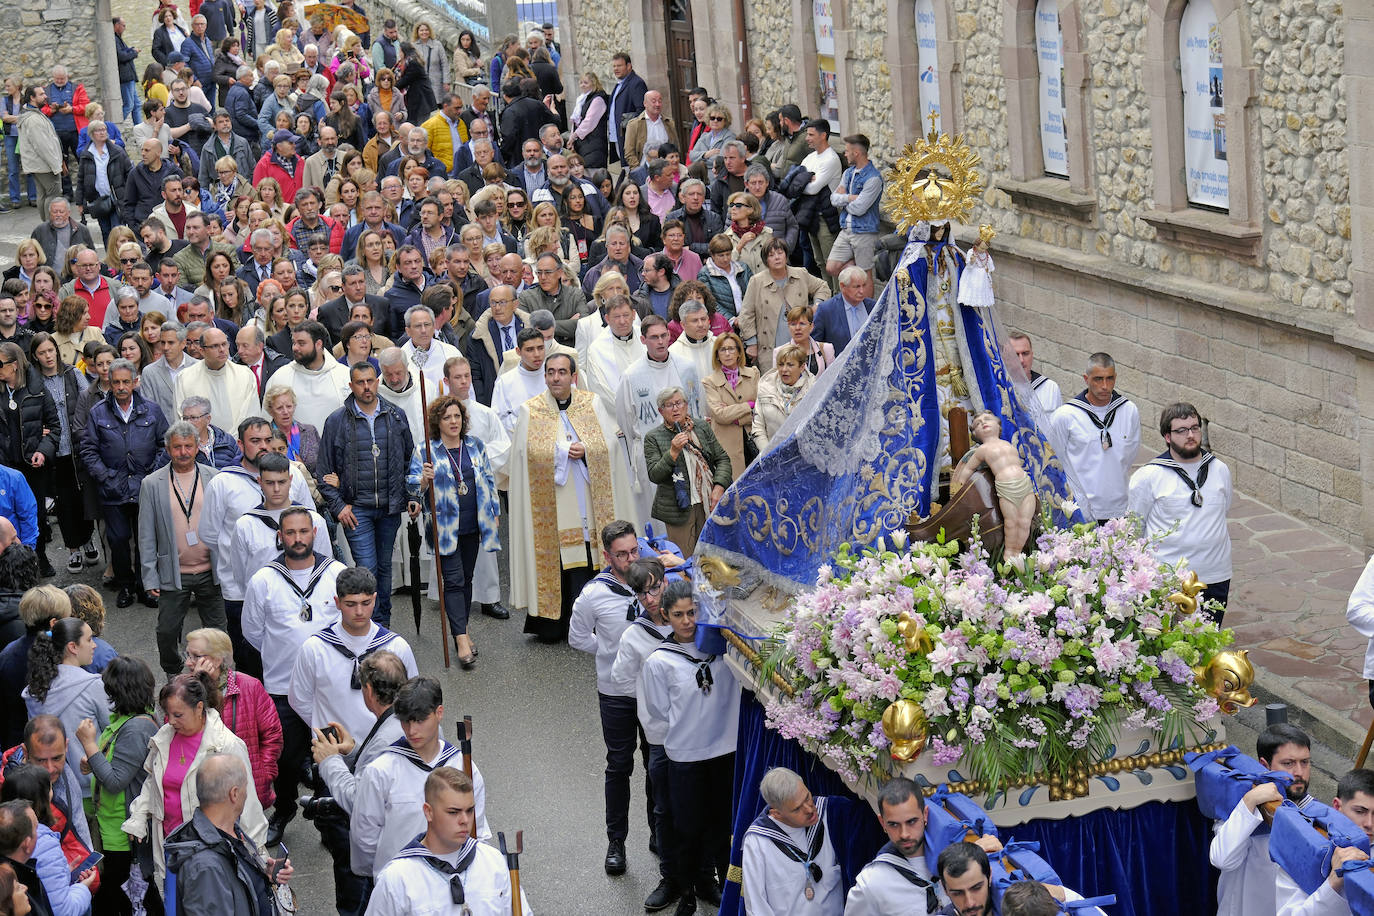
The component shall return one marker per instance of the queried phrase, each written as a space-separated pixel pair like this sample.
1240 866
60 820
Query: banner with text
1204 118
1049 52
928 61
823 18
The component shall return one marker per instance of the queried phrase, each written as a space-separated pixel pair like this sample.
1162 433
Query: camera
322 807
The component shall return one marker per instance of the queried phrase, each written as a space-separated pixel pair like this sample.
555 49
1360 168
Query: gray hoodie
75 694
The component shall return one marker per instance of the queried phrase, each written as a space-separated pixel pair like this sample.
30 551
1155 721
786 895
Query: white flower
899 538
1068 506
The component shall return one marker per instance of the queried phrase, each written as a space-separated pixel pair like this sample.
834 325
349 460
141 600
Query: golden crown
935 179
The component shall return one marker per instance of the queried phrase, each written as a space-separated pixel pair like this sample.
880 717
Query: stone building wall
51 32
600 28
772 60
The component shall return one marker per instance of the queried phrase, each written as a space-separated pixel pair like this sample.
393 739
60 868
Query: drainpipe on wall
746 96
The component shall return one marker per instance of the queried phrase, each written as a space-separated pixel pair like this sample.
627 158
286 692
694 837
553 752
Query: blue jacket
201 60
18 505
853 183
119 455
832 325
350 240
446 496
402 295
346 449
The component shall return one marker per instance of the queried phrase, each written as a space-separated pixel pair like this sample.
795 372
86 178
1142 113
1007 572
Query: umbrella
413 539
334 14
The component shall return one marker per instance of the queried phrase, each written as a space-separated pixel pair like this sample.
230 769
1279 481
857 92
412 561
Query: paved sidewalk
1289 590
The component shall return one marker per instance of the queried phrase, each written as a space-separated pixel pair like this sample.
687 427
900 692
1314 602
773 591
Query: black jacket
365 482
27 875
521 121
334 314
222 872
593 148
143 190
124 59
413 80
33 426
116 172
700 228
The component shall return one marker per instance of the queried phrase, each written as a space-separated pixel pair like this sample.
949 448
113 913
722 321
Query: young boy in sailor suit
445 871
898 880
253 542
388 807
788 853
1100 433
1239 849
692 701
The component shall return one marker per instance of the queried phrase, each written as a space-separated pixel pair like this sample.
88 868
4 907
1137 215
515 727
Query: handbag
103 207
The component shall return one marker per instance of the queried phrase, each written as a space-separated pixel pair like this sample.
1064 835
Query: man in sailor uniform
1240 850
898 880
445 871
788 853
1045 389
1183 497
234 491
603 610
1100 432
1354 799
690 702
327 689
286 602
966 875
388 807
253 542
342 760
641 637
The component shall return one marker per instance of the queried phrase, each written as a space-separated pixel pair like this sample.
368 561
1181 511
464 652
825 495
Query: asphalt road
537 740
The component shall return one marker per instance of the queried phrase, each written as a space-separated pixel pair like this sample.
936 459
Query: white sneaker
74 562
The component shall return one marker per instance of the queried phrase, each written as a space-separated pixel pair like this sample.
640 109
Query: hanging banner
928 62
1049 52
823 19
1204 117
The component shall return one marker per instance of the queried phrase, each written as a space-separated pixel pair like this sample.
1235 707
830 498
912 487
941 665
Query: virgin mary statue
866 447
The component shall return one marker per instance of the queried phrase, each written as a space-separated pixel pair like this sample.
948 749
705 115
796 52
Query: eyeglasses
1186 431
191 417
336 289
738 203
128 260
654 590
674 404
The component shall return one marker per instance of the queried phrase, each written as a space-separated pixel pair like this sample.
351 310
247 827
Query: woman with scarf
302 439
725 277
781 389
746 229
731 392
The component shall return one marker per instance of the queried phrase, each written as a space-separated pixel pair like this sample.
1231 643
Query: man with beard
1239 849
229 387
319 380
416 146
232 492
967 877
323 164
365 447
1183 496
898 880
560 179
286 602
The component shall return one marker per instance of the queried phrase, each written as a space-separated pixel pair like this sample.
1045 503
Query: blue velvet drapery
1152 857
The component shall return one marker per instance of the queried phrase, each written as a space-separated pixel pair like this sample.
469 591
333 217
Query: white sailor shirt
341 773
880 889
691 700
236 492
1046 391
1246 885
388 804
409 886
639 639
1102 471
272 608
774 882
1291 901
604 609
1188 531
253 542
321 682
1359 610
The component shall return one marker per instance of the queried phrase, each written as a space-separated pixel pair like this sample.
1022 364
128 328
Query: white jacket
145 813
772 407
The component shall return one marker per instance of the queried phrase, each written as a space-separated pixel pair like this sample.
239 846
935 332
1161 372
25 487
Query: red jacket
250 713
73 850
336 233
290 184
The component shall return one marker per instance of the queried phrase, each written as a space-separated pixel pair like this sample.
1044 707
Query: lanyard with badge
188 506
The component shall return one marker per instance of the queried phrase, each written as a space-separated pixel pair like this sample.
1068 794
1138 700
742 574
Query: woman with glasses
117 238
780 390
228 185
717 134
303 440
356 345
72 328
214 447
43 299
129 254
746 230
385 97
517 219
731 391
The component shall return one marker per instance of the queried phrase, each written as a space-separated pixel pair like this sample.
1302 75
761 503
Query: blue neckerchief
401 747
889 856
764 826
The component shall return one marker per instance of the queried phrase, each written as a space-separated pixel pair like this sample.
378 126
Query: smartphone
91 861
281 860
331 733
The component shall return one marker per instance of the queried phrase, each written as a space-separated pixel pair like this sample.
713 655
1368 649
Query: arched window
928 62
1049 55
1204 118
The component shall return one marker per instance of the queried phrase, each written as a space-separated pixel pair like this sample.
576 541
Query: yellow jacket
440 138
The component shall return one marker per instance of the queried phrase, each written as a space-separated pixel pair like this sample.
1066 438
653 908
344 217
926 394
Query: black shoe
125 599
45 570
496 610
707 889
615 858
146 599
663 896
276 829
686 906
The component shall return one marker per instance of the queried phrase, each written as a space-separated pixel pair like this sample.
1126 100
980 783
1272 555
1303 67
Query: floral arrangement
1029 666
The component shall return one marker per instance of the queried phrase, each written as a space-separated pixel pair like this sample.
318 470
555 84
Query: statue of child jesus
1015 494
